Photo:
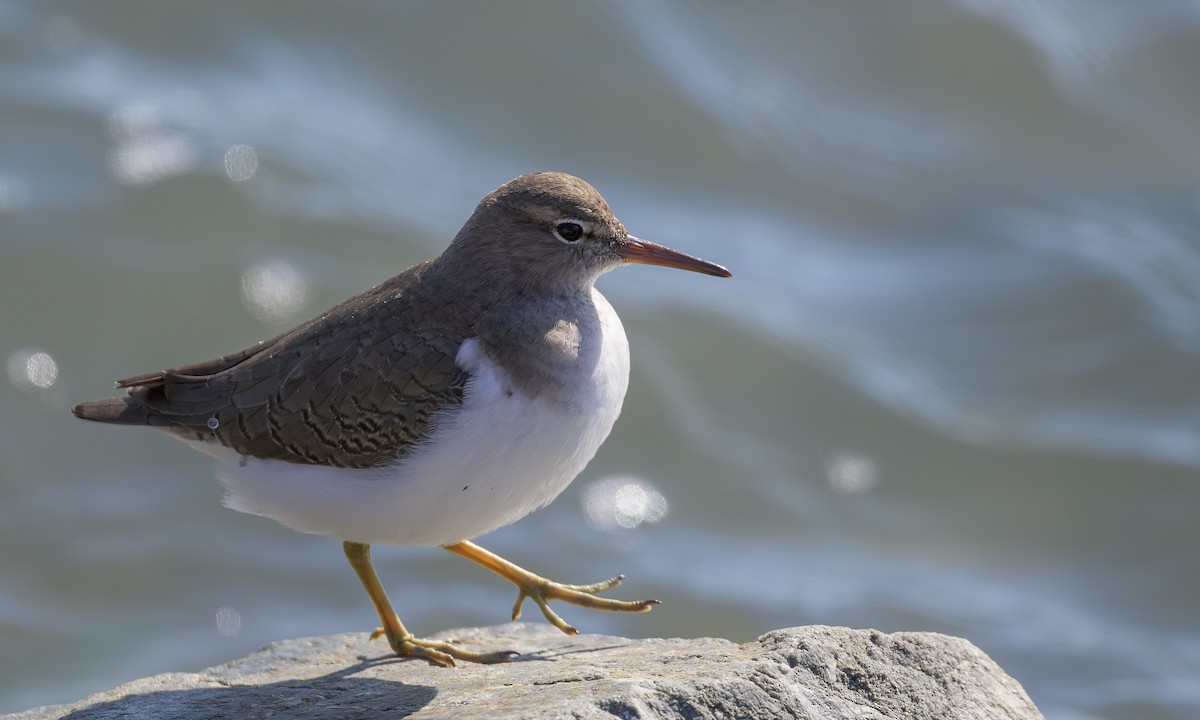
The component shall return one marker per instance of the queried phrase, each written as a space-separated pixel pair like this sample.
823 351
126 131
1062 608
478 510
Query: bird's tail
122 410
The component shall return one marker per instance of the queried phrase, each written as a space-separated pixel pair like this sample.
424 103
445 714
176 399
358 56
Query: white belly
489 462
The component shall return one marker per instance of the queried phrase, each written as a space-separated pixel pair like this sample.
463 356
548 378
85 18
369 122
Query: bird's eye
568 232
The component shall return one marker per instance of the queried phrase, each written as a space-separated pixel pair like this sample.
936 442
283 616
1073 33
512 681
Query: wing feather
355 387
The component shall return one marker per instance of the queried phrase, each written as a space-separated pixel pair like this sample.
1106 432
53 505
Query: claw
442 652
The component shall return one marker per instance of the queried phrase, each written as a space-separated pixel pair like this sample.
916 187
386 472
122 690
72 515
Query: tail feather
122 410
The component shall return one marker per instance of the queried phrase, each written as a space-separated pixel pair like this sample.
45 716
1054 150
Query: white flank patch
496 458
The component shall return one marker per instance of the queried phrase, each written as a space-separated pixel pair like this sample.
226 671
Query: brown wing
354 387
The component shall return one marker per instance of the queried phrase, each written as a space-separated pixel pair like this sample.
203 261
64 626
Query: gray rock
804 672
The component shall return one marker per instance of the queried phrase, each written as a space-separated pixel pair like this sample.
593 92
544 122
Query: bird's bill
636 250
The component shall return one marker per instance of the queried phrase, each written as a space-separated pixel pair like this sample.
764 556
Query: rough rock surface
804 672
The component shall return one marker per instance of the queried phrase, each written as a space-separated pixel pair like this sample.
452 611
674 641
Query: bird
446 402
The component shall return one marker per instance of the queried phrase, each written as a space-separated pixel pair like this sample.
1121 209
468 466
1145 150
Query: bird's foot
541 590
440 652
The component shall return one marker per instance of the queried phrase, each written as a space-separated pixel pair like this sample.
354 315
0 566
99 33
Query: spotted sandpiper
451 400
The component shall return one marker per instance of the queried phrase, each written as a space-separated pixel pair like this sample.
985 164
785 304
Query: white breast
499 456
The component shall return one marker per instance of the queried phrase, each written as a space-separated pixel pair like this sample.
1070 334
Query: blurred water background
952 386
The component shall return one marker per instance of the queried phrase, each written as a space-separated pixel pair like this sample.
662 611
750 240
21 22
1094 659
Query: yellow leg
541 590
401 640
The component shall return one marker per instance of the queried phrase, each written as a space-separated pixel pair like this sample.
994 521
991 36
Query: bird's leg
401 640
541 590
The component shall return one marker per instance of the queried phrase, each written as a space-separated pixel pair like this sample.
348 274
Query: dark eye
568 232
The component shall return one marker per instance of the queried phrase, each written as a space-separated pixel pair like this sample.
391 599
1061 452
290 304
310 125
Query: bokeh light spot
274 291
622 503
852 474
146 152
241 162
32 369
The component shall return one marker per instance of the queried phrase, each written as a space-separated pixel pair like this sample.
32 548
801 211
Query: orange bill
645 252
